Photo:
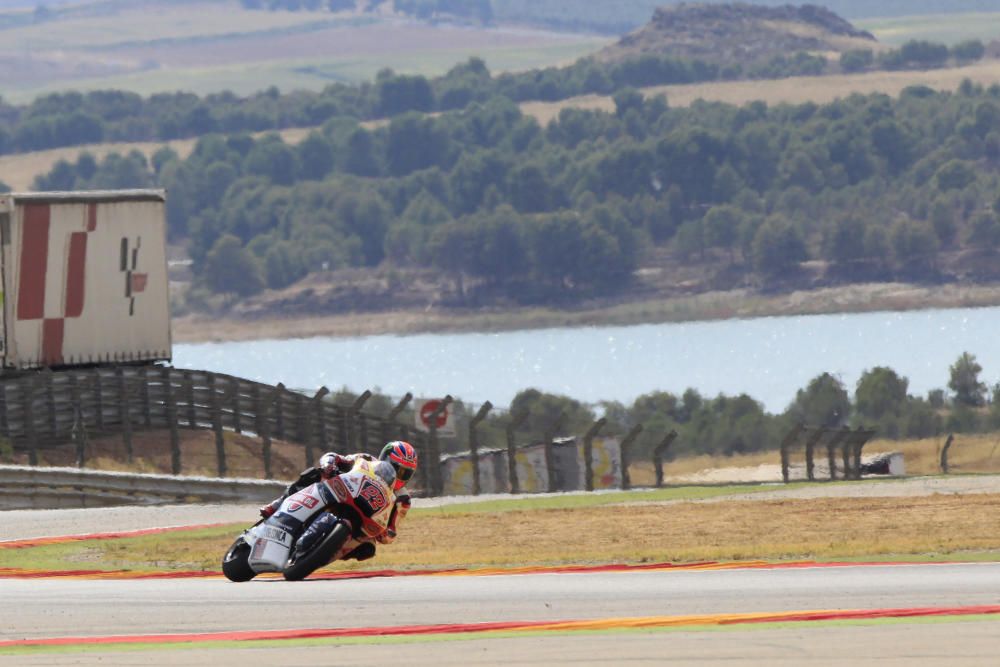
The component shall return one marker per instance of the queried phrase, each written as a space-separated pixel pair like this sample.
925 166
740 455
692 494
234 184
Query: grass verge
925 529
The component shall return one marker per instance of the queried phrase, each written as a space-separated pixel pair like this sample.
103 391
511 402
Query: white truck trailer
84 279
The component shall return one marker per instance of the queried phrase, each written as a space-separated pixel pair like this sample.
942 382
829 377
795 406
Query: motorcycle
318 525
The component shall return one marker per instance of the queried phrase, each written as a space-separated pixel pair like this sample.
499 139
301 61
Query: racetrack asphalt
61 608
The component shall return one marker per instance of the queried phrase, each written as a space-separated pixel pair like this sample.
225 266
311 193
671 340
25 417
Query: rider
399 453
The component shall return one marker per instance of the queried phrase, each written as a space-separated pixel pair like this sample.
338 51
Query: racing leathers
331 465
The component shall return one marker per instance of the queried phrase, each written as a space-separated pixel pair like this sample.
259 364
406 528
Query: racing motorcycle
318 525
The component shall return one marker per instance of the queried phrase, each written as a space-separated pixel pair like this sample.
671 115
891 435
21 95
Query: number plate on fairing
269 548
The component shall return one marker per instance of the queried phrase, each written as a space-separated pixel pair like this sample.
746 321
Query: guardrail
45 409
32 487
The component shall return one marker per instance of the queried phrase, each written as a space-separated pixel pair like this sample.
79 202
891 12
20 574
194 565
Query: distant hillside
616 18
738 33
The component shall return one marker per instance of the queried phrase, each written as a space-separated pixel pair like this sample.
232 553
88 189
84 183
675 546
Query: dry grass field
18 170
793 90
954 527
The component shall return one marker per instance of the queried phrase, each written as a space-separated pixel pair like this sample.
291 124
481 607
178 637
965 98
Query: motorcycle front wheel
236 562
319 555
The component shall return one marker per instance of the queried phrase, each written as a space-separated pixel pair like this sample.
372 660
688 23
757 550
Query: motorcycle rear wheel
236 562
319 556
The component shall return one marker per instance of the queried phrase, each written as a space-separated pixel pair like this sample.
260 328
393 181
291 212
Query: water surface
768 358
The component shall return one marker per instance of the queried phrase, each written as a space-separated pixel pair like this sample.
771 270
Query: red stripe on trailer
34 262
76 274
91 217
53 333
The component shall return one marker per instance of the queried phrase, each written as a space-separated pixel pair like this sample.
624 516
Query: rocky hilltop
739 33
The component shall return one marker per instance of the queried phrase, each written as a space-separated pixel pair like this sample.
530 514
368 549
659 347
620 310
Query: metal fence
49 409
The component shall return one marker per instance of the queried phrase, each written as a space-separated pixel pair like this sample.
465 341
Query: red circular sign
428 408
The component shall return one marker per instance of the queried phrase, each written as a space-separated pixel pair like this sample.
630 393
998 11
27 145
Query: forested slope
877 188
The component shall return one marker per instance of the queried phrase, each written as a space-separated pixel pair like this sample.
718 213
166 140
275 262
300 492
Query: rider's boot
363 551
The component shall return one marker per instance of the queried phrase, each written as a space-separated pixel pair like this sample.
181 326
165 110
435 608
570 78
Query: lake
768 358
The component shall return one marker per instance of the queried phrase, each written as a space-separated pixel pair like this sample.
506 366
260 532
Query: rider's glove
332 464
267 510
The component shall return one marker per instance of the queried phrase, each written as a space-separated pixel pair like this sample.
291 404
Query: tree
880 393
969 50
627 99
315 156
415 142
778 247
721 226
844 243
856 60
231 269
914 243
282 265
399 93
955 175
823 403
964 382
273 159
544 410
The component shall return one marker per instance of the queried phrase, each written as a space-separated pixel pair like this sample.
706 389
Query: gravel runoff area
25 524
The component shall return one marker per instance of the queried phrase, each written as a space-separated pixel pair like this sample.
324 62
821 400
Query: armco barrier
26 487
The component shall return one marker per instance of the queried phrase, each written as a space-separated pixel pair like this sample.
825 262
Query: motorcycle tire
319 556
236 562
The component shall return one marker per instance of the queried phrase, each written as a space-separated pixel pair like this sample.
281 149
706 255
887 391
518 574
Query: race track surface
52 608
60 608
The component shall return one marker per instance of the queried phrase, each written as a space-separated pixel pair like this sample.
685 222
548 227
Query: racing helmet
403 458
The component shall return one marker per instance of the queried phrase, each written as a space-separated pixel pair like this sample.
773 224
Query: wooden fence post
4 411
860 440
220 438
390 419
234 402
170 407
588 452
265 430
147 408
626 447
815 436
660 452
77 426
786 445
279 412
98 400
27 403
434 447
192 409
944 453
48 378
352 413
125 406
79 435
316 426
513 425
831 459
474 445
549 445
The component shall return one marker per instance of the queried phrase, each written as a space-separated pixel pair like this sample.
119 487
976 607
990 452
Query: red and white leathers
399 511
330 465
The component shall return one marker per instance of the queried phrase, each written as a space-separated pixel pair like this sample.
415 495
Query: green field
945 28
309 74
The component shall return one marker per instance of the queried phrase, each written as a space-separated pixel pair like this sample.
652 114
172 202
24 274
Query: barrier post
436 479
660 453
588 452
626 446
550 459
474 445
513 425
